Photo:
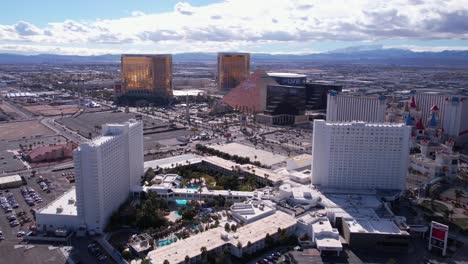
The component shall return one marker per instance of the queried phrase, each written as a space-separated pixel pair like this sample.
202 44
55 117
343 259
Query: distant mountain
360 48
372 54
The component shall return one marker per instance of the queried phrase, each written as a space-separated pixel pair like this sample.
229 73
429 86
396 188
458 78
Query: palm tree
458 194
187 259
239 245
166 261
204 252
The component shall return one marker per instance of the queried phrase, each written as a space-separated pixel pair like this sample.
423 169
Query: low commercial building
12 181
378 234
59 214
250 211
299 162
50 153
325 237
247 239
140 244
363 228
262 175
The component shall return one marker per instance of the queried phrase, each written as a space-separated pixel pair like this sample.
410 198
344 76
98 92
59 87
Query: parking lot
10 163
88 123
57 185
87 250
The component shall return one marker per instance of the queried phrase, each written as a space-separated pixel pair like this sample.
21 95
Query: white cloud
417 48
138 13
245 23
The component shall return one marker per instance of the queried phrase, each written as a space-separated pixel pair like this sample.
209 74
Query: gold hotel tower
233 68
146 74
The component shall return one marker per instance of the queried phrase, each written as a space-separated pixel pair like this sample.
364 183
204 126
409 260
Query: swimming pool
181 202
192 187
177 214
166 242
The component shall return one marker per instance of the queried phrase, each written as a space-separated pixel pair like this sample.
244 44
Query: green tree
226 227
166 261
187 259
239 245
269 240
204 253
150 213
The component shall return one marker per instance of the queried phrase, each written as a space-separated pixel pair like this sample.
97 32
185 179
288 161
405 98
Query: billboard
438 236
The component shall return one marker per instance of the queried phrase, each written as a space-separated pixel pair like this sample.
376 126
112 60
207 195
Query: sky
93 27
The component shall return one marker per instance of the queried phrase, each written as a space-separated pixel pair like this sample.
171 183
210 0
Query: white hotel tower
348 107
105 169
359 155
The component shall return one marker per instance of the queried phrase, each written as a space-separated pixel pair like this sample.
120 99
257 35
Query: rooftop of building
286 75
167 180
220 162
38 151
380 226
251 209
63 205
301 158
263 173
140 242
146 55
359 124
217 237
171 162
326 237
331 200
9 179
233 53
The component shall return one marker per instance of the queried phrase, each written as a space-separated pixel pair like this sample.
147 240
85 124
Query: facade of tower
233 68
360 155
345 108
146 74
106 169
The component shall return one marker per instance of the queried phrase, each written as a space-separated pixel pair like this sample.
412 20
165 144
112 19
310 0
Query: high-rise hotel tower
146 74
233 68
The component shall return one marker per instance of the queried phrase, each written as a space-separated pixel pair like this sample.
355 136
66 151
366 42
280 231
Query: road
18 110
62 130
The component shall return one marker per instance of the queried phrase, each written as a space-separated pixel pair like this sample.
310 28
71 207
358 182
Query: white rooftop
383 226
9 179
64 205
173 161
251 209
220 162
326 237
360 124
176 252
286 75
263 173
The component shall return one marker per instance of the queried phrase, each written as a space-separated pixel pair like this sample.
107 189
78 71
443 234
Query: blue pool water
192 187
166 242
181 202
177 214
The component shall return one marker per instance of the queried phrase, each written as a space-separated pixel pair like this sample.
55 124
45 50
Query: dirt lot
23 129
12 115
49 110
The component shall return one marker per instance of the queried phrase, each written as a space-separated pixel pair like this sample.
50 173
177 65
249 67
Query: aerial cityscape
234 131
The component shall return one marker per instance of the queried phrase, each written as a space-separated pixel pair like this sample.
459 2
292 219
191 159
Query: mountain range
372 55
